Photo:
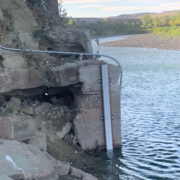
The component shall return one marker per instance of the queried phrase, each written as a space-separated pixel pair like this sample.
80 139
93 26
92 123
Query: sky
107 8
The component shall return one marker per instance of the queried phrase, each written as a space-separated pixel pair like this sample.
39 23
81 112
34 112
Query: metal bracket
102 118
99 80
80 57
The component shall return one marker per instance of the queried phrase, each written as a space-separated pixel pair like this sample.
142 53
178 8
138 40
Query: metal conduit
71 53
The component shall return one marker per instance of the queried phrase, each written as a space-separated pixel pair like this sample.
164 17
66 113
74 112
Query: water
150 115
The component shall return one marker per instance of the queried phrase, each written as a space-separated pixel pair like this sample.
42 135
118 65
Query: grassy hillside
109 26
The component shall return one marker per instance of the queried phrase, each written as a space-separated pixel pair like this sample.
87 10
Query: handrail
72 53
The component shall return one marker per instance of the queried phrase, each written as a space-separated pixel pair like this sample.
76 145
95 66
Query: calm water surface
150 115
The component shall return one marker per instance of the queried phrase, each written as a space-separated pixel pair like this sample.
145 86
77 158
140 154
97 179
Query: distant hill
153 15
132 16
165 13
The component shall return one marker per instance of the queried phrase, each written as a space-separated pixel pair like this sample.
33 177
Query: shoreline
146 41
114 35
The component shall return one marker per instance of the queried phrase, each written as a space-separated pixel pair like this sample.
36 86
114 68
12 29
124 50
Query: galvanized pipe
71 53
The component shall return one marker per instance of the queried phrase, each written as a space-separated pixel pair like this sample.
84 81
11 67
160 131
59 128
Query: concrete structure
89 129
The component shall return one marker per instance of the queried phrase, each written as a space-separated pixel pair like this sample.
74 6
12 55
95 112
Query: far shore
113 35
147 41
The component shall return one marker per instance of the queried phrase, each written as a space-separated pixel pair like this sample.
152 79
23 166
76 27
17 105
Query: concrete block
89 76
89 130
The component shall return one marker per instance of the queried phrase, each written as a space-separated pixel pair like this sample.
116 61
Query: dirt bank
147 41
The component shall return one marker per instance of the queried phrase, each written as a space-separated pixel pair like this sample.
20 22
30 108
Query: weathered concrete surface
68 40
19 160
17 127
89 130
90 83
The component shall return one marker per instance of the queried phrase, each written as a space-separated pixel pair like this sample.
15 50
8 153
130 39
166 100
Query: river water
150 114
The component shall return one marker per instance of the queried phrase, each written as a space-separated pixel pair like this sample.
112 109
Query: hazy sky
106 8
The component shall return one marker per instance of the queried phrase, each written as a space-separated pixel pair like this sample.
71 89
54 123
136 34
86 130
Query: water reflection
150 115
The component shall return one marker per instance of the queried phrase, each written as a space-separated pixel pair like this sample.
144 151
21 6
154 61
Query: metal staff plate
107 107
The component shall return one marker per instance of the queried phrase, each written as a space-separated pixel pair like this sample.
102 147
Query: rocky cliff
47 100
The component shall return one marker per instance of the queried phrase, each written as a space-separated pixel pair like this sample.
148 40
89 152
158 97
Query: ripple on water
150 113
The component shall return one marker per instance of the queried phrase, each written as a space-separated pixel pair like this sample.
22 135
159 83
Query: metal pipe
72 53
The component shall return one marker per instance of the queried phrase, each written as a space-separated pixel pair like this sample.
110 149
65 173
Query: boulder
1 16
28 111
63 168
66 128
17 127
42 107
1 141
14 104
11 62
81 174
22 161
3 177
90 108
5 82
68 40
27 78
39 140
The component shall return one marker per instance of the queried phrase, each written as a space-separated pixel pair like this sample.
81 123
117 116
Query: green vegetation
163 25
107 26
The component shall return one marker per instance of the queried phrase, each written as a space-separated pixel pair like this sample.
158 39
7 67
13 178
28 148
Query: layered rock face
37 94
68 40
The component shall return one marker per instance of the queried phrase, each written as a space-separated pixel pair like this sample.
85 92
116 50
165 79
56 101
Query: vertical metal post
107 107
80 57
